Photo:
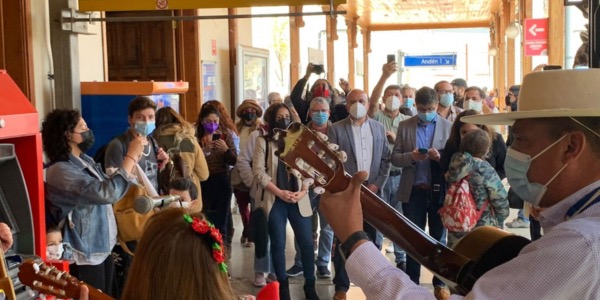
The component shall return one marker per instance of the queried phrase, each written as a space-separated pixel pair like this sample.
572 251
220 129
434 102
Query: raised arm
387 71
300 105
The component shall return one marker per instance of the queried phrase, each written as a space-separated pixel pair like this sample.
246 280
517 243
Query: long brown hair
167 118
174 261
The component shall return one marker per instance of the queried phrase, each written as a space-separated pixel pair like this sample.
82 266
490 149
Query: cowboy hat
551 94
249 103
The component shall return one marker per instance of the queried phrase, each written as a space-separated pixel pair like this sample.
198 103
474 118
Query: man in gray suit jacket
365 144
419 141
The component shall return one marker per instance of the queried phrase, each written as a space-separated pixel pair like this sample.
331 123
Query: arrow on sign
533 29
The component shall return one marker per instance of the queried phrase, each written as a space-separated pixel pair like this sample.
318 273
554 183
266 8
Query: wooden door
140 50
16 54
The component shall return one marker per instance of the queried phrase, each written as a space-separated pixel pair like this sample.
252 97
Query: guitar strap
583 204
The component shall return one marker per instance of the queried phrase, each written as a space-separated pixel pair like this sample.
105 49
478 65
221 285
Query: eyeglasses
425 110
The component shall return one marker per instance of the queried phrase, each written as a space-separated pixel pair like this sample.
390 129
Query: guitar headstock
48 280
309 155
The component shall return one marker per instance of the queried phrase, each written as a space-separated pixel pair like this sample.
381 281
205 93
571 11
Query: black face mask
283 123
88 141
249 117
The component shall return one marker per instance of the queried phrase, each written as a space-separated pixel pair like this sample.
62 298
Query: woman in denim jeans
278 194
82 195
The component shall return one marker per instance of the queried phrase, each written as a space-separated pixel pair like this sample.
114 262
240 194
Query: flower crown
204 227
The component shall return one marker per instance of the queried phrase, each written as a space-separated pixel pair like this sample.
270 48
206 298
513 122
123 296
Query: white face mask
54 252
474 105
392 103
357 110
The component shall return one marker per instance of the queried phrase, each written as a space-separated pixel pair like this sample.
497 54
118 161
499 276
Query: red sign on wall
213 47
536 37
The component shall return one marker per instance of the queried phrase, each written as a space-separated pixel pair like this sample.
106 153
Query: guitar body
309 155
487 247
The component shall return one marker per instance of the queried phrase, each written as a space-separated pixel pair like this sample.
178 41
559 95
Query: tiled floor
243 273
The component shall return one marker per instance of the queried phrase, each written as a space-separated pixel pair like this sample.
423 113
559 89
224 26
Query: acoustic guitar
6 283
50 281
309 155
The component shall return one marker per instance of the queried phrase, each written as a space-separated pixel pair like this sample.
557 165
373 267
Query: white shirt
363 145
563 264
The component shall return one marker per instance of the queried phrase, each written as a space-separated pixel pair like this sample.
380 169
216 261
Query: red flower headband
204 227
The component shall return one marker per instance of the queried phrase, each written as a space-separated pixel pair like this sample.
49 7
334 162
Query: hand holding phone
391 58
423 150
216 136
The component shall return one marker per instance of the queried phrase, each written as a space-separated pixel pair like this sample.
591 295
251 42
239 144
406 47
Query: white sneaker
259 279
519 223
390 249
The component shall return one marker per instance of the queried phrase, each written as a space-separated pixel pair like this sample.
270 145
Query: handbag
130 224
259 221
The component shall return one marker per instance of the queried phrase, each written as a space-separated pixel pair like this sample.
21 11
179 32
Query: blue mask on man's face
427 117
144 128
447 99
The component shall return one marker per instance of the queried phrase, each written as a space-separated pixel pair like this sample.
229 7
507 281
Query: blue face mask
427 117
516 166
447 99
144 128
319 117
410 102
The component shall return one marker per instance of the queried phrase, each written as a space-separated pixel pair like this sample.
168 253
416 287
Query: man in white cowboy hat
553 164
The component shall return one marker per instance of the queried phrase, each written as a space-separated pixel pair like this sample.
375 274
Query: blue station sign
443 60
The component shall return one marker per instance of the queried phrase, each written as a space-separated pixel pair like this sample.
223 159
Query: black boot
284 289
310 290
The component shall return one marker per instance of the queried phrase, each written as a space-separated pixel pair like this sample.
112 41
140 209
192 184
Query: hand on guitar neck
352 220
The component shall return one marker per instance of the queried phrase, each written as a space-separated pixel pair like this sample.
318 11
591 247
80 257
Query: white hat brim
511 117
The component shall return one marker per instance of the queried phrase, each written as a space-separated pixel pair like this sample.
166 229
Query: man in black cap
459 86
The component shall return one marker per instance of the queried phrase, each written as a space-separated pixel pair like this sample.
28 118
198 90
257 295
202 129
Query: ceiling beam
413 26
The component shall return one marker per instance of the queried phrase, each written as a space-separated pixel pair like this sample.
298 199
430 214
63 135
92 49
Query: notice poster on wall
209 80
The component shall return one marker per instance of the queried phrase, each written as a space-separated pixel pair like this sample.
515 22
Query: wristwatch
347 245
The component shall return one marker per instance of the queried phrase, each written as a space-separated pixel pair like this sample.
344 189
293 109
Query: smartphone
552 67
391 58
216 136
423 150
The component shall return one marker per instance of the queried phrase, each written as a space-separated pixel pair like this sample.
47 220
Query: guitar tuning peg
342 156
321 153
308 181
323 137
319 190
333 147
321 179
296 173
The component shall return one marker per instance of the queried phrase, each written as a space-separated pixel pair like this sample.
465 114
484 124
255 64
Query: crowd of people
406 145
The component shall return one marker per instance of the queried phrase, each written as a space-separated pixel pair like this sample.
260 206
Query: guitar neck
6 283
96 294
429 252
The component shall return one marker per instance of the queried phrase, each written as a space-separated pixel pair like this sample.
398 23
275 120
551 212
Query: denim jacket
73 187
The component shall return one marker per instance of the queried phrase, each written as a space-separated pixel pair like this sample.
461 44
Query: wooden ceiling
421 14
